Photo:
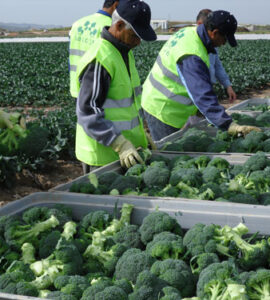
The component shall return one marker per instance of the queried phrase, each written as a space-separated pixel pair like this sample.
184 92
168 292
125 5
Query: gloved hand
234 129
150 141
127 153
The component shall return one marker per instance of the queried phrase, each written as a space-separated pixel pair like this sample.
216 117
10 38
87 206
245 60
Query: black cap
138 14
226 23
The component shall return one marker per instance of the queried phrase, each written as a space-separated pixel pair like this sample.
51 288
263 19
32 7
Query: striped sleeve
95 83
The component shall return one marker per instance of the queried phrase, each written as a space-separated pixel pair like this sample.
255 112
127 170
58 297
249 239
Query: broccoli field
41 84
46 252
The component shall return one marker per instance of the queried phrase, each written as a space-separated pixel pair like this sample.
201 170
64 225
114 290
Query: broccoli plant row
47 253
188 177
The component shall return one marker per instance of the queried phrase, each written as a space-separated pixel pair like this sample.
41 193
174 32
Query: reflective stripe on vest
126 125
167 93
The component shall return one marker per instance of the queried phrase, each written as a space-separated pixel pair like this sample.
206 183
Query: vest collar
202 32
104 13
121 47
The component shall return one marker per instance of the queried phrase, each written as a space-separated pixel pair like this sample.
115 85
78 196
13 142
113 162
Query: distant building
161 24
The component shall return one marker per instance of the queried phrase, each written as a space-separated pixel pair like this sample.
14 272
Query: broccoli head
177 274
166 245
156 175
157 222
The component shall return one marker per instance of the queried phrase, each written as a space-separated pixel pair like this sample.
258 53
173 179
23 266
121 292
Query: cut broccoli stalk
17 235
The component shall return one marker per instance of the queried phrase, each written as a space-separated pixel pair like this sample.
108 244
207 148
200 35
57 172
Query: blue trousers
158 129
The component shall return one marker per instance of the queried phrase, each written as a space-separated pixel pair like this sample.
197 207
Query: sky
65 12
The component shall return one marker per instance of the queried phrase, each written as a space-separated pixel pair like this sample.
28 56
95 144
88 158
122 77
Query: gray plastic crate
243 106
187 212
116 167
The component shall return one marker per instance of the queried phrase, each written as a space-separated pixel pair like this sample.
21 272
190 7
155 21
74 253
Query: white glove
127 153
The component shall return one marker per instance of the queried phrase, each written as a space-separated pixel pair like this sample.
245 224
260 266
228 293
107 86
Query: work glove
150 141
235 129
127 153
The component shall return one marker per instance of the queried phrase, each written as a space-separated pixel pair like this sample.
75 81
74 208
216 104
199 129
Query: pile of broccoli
197 140
46 253
200 177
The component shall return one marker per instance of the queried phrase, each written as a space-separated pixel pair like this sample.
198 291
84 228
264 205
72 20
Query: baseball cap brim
146 34
231 40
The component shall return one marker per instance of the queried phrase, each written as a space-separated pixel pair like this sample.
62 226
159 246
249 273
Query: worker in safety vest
109 125
179 83
217 71
83 33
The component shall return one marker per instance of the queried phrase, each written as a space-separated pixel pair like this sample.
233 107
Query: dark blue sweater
195 75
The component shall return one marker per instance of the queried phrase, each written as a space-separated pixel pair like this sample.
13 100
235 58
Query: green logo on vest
88 27
177 37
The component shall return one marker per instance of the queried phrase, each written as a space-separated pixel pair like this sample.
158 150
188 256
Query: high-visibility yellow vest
122 105
83 33
164 96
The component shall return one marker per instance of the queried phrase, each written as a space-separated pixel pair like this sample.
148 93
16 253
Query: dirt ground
65 171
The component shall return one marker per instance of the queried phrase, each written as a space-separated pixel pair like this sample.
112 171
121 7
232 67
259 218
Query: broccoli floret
213 174
16 235
179 160
74 289
244 119
202 161
65 260
201 261
135 170
96 220
166 245
35 214
26 289
157 157
264 198
157 222
220 163
252 255
57 295
202 238
96 287
218 146
258 161
131 263
107 178
259 181
210 191
61 212
176 146
121 183
223 136
124 284
236 169
19 271
243 198
148 287
191 177
171 293
177 274
203 143
263 120
257 284
111 293
129 236
156 175
28 253
253 141
48 243
213 279
237 146
169 191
